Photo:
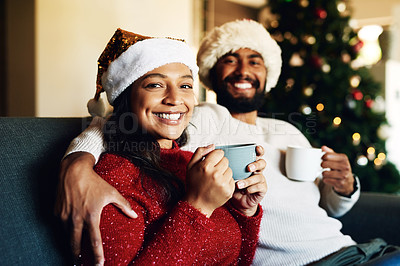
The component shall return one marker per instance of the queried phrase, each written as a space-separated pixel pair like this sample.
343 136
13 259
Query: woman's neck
165 143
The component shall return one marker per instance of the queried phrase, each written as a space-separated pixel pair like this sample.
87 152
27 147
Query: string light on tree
337 121
355 81
378 163
329 37
309 39
326 68
308 91
296 60
356 138
371 153
381 156
383 131
362 160
320 107
289 84
304 3
346 58
305 109
341 7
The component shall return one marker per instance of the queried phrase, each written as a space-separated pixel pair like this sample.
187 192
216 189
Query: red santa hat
128 56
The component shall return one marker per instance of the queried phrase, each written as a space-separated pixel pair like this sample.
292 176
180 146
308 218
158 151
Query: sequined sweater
179 236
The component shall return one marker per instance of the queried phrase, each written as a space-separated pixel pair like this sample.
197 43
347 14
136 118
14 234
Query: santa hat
233 36
128 56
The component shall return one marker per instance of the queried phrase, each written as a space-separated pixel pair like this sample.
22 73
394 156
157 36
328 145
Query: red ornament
316 61
321 13
369 103
357 47
357 95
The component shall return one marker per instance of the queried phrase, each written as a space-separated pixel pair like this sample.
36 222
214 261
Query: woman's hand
251 190
209 180
82 195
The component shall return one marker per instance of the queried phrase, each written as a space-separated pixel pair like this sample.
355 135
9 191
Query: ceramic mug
239 156
303 164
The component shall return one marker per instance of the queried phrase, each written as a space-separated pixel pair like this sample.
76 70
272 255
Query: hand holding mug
209 182
251 191
339 175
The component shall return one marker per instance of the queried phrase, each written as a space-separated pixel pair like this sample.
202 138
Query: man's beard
240 104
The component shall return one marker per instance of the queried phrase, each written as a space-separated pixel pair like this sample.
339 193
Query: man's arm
91 140
82 194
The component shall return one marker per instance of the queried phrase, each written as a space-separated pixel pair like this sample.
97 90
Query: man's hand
340 175
251 191
82 195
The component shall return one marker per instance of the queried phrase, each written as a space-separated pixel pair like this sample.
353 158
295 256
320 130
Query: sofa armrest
375 215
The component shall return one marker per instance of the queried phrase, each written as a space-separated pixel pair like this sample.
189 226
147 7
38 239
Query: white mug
303 164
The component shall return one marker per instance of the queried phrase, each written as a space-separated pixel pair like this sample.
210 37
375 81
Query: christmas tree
324 93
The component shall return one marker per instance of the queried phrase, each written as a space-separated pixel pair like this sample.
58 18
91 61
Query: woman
188 209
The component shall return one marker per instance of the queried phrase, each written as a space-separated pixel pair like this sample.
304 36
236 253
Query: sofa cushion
375 215
31 150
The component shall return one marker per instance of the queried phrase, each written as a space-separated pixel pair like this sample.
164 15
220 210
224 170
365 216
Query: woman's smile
170 118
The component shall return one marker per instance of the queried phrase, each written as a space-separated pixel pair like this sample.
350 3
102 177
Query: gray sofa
30 234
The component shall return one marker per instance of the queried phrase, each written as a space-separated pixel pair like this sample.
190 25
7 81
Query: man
240 62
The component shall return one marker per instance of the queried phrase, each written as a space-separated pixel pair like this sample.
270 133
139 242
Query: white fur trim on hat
233 36
141 58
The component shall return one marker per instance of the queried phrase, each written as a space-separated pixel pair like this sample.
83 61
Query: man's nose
243 69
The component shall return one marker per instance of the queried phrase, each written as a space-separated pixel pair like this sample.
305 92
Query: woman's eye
153 85
187 86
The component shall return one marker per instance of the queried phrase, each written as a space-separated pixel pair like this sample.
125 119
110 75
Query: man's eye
255 63
230 60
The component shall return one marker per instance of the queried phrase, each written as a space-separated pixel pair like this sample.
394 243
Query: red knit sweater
180 236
